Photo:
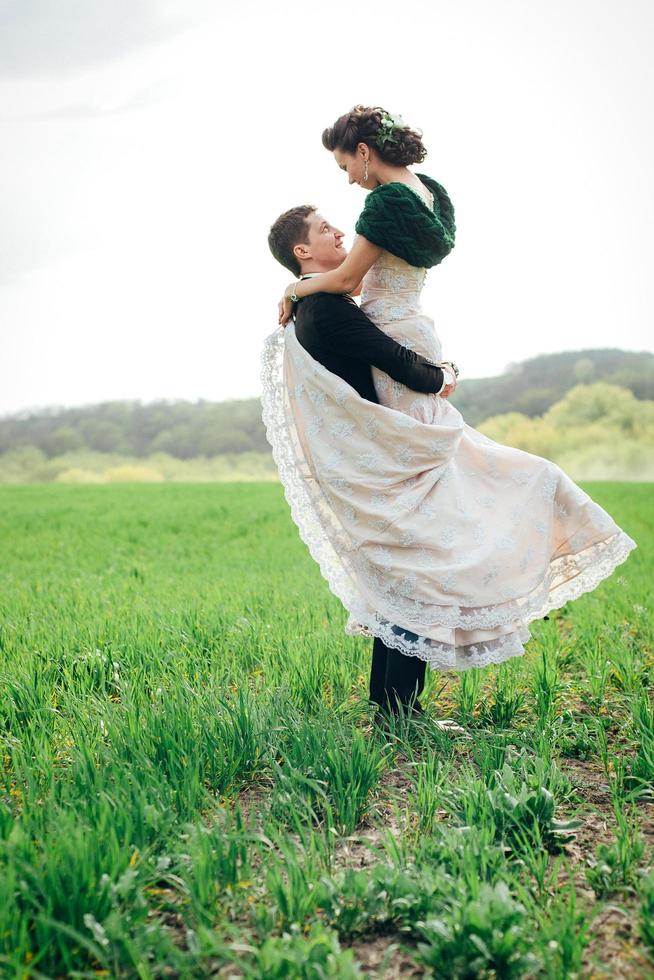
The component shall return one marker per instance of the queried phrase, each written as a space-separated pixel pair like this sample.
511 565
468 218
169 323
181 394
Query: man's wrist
450 374
449 377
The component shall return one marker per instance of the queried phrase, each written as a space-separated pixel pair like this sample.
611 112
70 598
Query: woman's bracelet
294 298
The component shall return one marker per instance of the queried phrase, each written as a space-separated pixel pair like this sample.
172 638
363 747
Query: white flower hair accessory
387 125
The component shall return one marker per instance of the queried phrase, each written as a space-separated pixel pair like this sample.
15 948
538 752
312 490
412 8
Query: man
335 332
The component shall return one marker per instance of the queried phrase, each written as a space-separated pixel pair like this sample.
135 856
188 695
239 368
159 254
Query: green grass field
191 785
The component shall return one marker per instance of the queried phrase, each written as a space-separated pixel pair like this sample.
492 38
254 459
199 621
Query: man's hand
452 371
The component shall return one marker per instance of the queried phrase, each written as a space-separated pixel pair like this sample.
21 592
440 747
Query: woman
438 540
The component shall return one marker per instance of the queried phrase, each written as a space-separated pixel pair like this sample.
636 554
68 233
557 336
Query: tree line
187 430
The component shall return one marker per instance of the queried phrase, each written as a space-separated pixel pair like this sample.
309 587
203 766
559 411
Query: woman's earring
365 171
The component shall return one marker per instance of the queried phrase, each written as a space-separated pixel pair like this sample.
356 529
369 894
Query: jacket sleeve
345 329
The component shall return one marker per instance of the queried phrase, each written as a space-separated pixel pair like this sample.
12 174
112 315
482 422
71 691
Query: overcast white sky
147 146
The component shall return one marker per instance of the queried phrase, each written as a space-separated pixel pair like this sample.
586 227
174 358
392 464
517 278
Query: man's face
324 249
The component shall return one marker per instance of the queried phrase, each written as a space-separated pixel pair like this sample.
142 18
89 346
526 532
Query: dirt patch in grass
589 780
612 951
253 801
383 953
615 949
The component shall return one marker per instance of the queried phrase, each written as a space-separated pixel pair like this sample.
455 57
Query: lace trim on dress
581 573
445 656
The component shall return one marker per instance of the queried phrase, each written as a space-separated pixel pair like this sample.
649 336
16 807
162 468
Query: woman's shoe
448 725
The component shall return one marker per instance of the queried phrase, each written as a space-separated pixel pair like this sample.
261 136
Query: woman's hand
447 391
285 306
285 310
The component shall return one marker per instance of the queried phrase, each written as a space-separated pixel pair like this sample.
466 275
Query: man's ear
302 252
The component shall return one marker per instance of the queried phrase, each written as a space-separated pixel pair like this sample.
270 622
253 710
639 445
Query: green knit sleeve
377 221
395 219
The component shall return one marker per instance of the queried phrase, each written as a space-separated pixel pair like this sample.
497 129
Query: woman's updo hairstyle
395 142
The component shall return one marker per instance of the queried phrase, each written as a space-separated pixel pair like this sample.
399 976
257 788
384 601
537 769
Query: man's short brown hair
289 230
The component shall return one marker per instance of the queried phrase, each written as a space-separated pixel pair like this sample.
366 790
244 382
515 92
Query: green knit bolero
395 218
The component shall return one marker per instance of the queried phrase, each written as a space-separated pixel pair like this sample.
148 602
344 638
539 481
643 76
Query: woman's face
354 165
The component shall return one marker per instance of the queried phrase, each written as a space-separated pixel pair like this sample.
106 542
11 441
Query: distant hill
187 430
533 386
182 429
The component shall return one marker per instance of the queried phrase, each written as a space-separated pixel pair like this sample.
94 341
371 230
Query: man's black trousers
394 676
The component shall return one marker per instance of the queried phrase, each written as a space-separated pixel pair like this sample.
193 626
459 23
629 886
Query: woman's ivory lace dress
434 537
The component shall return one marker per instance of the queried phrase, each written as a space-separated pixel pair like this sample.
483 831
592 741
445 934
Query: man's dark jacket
343 339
